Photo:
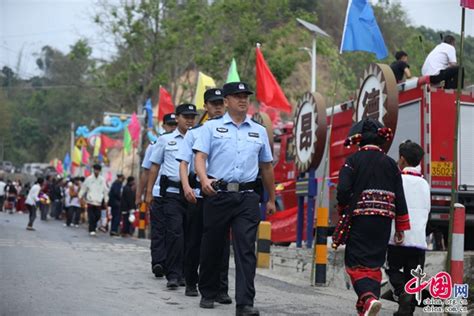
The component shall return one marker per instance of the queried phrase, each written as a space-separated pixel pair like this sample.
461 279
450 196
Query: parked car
35 169
7 166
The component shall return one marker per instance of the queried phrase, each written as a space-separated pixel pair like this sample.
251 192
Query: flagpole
123 159
133 160
72 142
455 146
157 109
345 25
324 182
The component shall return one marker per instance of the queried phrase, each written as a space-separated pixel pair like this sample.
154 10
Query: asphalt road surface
58 270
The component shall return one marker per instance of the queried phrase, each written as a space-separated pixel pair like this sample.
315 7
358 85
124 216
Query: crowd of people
75 200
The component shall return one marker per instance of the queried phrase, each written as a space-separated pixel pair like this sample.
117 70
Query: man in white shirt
440 64
2 193
95 193
31 201
410 253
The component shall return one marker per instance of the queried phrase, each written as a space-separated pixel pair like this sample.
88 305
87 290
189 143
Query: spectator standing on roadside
127 205
32 201
115 194
94 192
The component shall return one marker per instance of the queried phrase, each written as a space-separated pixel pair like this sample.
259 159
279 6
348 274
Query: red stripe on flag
467 4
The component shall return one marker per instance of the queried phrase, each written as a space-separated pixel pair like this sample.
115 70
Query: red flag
268 90
134 128
107 142
273 113
252 110
467 4
165 104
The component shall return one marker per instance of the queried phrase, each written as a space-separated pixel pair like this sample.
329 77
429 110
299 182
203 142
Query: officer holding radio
173 207
235 147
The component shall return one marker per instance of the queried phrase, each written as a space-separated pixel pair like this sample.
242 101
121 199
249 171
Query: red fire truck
426 115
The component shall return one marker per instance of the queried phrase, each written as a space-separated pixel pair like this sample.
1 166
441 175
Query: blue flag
67 162
361 32
149 112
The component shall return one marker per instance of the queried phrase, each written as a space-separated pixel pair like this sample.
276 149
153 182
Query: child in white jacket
408 255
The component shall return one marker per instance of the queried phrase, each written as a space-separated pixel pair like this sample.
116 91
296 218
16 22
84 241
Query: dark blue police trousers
240 212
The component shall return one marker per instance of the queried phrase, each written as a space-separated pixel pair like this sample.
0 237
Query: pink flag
59 167
134 128
85 156
467 4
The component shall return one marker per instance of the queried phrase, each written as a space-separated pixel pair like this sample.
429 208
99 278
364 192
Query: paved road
58 270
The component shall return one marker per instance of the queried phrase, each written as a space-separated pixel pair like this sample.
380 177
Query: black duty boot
246 310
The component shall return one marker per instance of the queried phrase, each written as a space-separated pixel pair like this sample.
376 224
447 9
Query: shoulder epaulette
215 118
153 142
166 133
258 123
197 126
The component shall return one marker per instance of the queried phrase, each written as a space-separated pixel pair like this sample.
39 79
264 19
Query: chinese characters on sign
370 102
306 135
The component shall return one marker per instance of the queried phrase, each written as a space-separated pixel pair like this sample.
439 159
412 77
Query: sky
27 25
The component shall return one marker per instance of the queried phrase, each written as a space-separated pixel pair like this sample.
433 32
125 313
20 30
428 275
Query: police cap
236 87
186 109
169 119
213 94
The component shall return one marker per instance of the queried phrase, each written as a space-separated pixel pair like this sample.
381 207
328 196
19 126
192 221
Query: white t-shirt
438 59
418 198
32 197
2 188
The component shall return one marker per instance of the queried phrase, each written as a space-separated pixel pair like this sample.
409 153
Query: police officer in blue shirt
214 106
158 251
235 147
173 207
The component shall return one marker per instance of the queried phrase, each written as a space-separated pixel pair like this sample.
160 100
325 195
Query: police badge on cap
236 87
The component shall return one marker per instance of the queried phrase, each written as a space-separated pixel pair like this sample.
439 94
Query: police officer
234 147
169 123
214 106
173 207
157 249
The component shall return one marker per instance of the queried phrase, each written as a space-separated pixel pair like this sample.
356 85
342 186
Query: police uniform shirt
165 156
234 152
146 164
185 151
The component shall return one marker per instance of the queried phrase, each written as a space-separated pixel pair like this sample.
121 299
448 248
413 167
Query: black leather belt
174 184
222 185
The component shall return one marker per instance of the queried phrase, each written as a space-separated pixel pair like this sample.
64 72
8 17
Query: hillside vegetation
159 45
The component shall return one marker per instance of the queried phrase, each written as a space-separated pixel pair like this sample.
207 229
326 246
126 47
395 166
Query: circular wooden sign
309 130
378 98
